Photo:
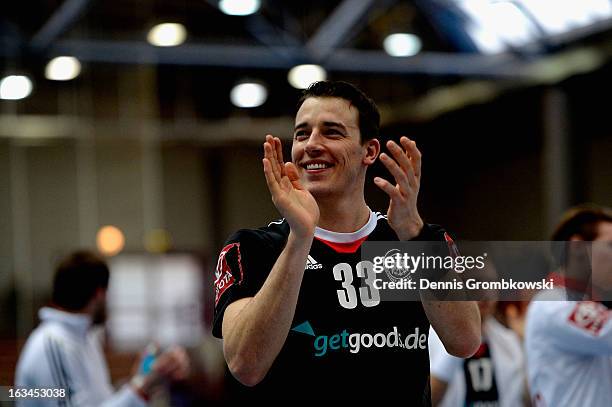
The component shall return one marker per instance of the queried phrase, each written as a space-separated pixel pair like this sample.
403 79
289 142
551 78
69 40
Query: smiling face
327 148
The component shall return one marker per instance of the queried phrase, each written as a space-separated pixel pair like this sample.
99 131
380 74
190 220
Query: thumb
291 171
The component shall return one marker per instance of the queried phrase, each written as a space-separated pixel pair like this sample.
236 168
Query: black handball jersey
344 344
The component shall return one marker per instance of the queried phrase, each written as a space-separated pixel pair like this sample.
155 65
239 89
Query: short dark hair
369 116
583 221
77 278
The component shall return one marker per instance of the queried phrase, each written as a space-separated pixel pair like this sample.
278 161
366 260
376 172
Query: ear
100 293
576 238
372 149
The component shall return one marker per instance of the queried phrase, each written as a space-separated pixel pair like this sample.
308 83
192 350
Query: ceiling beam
427 63
60 21
333 31
236 56
137 52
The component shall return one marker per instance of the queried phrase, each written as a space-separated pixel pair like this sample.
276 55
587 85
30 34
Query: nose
314 144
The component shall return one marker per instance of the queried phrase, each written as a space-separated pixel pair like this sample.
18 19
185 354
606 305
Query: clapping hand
405 167
294 202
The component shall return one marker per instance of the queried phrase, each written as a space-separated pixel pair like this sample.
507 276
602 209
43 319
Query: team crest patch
589 316
224 278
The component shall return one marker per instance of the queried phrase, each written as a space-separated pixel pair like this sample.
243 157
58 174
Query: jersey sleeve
242 267
436 233
437 243
583 327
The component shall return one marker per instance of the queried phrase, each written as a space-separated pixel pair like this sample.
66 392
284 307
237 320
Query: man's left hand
405 166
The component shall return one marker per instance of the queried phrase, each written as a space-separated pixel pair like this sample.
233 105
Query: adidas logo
312 264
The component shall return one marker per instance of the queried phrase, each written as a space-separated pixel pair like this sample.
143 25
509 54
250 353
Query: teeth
316 166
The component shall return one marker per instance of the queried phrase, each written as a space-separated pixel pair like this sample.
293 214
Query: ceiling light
248 94
302 76
63 69
239 7
402 45
15 87
167 35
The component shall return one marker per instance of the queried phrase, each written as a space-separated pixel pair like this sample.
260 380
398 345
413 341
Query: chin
318 191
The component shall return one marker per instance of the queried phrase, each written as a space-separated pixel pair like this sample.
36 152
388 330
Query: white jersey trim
337 237
276 222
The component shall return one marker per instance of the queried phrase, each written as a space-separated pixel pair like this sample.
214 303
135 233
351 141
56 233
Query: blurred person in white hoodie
64 352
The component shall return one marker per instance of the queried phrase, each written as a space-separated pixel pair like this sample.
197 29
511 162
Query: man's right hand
170 366
291 199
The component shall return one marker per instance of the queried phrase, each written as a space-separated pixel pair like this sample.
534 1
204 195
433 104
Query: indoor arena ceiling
345 37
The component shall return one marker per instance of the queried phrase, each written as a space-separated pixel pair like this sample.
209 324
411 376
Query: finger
286 184
278 163
292 173
272 153
276 166
173 362
400 156
185 364
388 188
178 374
171 365
174 367
163 365
279 153
400 176
269 155
414 153
403 160
178 353
273 183
269 139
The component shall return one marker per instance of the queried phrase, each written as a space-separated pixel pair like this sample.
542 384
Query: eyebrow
326 124
301 125
334 124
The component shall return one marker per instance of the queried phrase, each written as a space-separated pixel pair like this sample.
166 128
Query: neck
578 269
82 311
342 216
574 281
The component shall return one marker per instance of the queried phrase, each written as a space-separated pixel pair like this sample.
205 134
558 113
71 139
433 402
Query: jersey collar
337 237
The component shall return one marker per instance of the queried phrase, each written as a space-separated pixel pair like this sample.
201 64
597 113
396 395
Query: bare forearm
457 323
438 389
255 334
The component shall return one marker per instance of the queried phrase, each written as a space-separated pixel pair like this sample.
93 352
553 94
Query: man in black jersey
289 303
